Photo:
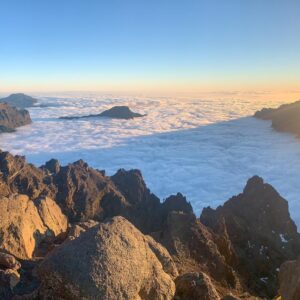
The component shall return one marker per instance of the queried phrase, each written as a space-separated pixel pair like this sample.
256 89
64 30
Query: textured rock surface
261 232
289 277
51 216
11 117
240 245
195 286
8 261
21 226
19 100
112 260
286 118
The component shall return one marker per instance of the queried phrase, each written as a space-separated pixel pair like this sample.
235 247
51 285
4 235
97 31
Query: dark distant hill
286 118
11 117
19 100
116 112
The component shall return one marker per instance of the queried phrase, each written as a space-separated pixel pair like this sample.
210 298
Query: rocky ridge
286 118
11 117
232 251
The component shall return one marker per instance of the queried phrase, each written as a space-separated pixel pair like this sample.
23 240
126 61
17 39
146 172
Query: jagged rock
289 278
194 248
285 118
83 193
143 208
53 166
51 215
239 245
195 286
11 117
8 261
116 112
261 232
19 177
76 229
19 100
112 260
21 226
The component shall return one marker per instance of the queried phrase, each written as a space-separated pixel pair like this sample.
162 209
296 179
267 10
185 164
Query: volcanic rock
22 228
19 100
8 261
195 286
262 234
11 117
112 260
289 278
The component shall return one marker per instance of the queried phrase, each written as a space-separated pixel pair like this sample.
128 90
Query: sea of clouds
205 149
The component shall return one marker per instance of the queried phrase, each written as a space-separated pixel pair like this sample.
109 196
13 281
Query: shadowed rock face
116 112
112 260
286 118
11 117
19 100
262 234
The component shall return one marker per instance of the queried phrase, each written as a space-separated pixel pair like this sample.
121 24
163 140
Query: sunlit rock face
112 260
23 225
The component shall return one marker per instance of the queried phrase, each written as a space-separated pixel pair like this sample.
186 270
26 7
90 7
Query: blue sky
111 45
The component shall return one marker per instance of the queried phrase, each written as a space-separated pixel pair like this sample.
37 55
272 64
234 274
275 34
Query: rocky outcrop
195 286
19 100
112 260
261 232
239 246
9 275
84 193
11 117
22 228
285 118
289 278
116 112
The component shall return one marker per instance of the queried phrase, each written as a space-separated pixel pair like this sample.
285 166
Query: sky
175 46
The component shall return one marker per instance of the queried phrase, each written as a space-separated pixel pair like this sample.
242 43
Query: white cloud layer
205 149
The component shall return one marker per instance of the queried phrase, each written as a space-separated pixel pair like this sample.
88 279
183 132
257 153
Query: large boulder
112 260
262 234
289 278
22 228
11 117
